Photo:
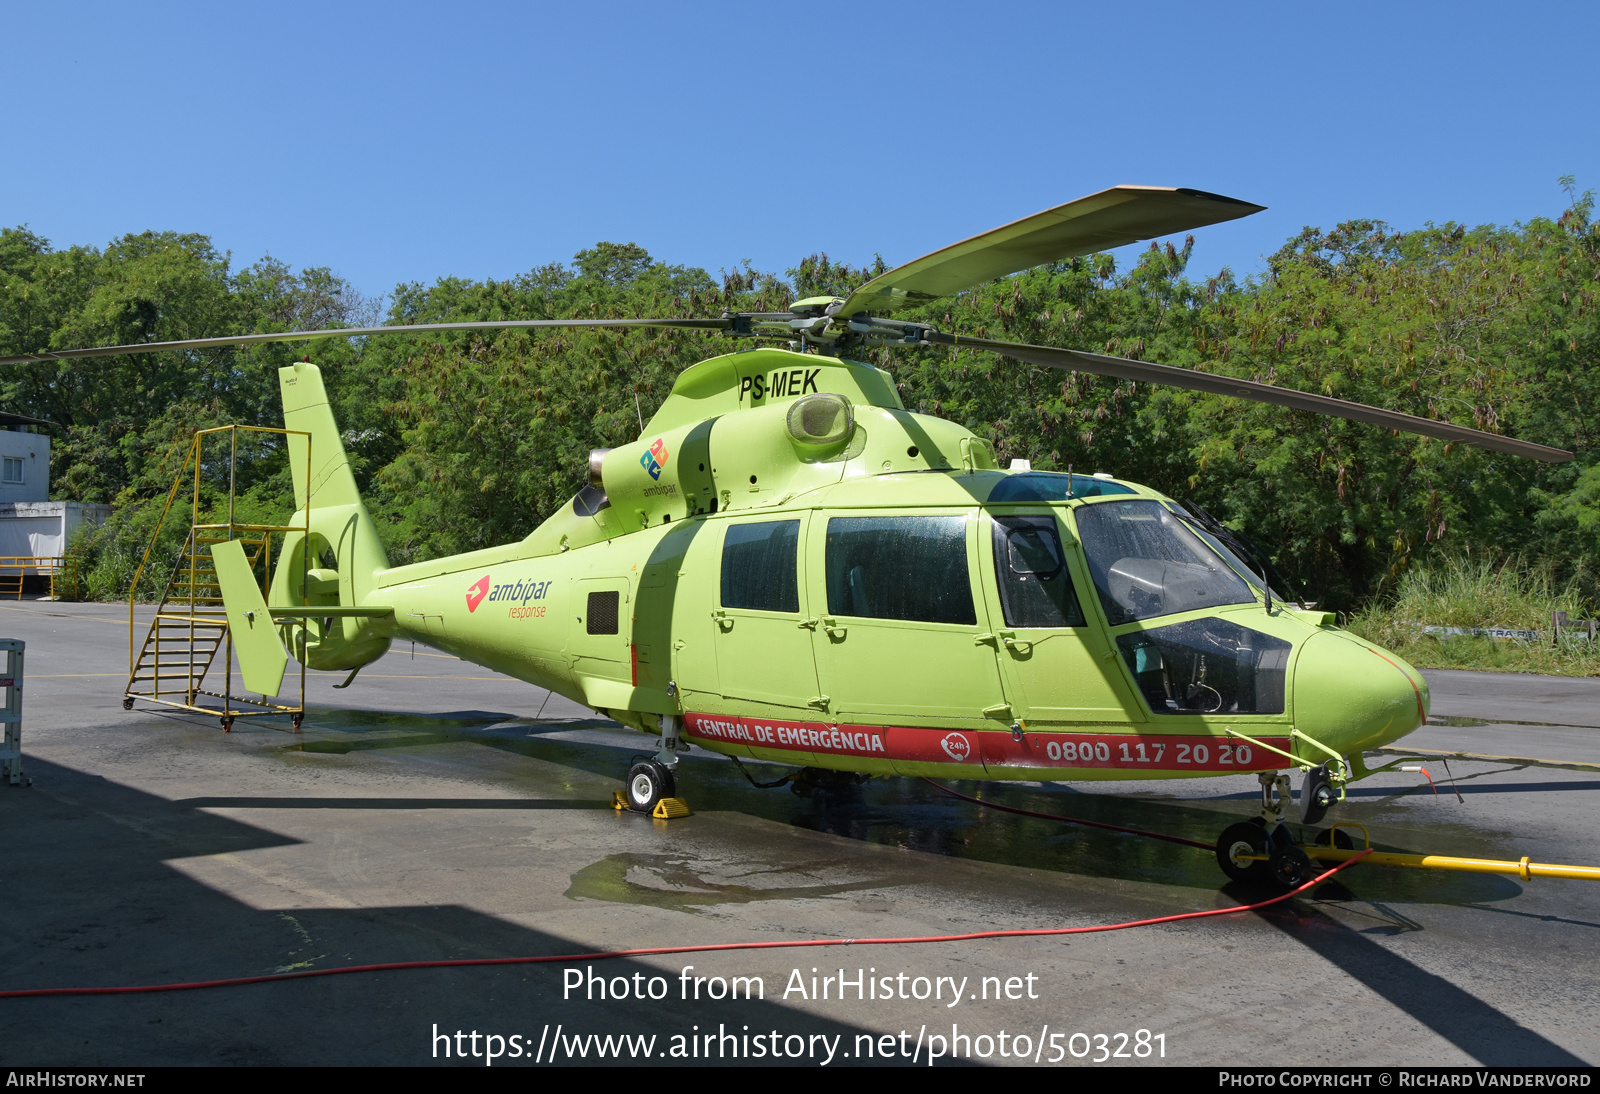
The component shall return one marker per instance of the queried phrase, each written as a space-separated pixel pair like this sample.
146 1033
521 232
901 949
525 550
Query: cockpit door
1059 668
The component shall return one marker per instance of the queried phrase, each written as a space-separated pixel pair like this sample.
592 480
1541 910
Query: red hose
657 950
1072 820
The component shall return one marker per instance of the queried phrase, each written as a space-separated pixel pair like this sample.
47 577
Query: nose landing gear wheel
1316 795
648 783
1341 840
1290 867
1247 838
1279 859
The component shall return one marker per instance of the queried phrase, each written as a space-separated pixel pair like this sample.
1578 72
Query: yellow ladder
190 623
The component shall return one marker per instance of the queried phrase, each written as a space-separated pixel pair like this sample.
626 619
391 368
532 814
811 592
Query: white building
24 460
30 524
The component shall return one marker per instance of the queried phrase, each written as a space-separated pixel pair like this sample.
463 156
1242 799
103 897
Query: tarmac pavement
435 810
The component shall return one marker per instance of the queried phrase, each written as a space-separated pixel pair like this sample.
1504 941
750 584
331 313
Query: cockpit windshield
1227 553
1146 562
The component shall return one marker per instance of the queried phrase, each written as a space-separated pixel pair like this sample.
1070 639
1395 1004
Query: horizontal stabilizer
262 657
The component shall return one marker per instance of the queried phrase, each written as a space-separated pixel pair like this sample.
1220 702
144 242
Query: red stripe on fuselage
1422 711
990 748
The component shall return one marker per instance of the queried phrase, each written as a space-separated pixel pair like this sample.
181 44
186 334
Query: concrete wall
34 451
30 525
44 528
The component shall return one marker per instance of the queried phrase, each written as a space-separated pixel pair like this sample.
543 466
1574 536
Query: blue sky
398 142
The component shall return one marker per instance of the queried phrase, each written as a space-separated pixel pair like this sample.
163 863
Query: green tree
497 427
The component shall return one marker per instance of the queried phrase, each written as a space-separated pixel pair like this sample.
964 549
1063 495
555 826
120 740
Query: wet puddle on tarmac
1461 721
677 881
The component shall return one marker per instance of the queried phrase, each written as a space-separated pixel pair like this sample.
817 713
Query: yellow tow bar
1524 869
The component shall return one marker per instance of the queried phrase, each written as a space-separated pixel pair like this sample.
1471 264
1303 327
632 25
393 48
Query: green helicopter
788 565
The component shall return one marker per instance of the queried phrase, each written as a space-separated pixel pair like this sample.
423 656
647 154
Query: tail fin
305 408
337 566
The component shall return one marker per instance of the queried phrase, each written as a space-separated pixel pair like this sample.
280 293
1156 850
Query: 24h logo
957 747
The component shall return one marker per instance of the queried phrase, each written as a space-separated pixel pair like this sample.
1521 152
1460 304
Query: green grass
1471 592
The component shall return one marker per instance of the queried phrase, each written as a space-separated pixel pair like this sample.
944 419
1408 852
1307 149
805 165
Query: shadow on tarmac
386 803
91 901
121 915
1458 1016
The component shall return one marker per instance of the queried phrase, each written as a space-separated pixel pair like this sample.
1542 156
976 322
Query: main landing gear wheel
1246 838
297 719
648 783
127 704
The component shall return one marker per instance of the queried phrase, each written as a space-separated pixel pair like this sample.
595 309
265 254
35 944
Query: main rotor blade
352 332
1126 369
1111 218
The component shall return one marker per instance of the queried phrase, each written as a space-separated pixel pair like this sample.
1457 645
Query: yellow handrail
51 566
193 456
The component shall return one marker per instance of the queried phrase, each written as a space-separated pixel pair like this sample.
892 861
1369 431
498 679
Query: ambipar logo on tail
475 595
655 459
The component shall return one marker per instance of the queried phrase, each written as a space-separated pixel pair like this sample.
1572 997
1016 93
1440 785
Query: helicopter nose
1351 695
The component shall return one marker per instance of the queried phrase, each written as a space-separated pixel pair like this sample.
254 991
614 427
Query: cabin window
760 566
907 568
1035 587
1146 562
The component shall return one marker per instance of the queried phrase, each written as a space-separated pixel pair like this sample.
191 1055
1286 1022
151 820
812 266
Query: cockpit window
1207 666
1051 486
1035 587
1146 562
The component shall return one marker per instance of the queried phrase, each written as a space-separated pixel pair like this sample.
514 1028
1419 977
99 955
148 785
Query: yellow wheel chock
666 808
670 809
